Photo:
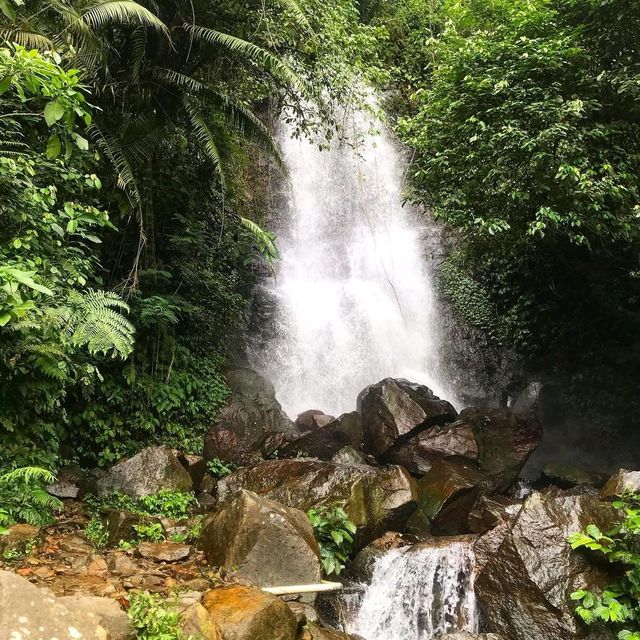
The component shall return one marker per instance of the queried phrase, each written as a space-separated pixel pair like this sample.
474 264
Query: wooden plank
325 585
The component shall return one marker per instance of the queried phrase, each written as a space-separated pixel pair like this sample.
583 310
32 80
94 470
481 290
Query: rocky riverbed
407 469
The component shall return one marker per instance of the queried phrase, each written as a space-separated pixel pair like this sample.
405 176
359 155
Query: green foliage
165 503
23 497
95 531
151 532
219 469
153 618
618 606
334 532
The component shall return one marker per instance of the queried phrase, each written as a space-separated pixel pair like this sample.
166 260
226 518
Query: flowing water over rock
419 593
353 297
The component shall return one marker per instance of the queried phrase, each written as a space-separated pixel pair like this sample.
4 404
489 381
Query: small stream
418 593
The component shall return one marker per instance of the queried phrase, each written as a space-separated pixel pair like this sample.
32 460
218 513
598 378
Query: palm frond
26 38
294 8
265 240
206 140
277 67
122 12
138 48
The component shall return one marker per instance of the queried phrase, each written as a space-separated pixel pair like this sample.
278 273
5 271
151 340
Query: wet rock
108 612
488 543
327 439
196 623
395 408
505 441
164 551
566 476
618 483
446 496
262 541
362 566
418 453
252 425
489 512
376 499
315 632
312 419
348 455
245 613
120 524
19 538
525 586
153 469
303 612
29 612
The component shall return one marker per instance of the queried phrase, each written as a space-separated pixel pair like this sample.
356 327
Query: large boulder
566 476
312 419
29 612
263 541
621 481
396 408
108 611
244 613
446 496
325 440
376 499
418 453
505 441
153 469
525 586
252 425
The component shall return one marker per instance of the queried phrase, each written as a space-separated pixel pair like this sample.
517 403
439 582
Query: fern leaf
122 12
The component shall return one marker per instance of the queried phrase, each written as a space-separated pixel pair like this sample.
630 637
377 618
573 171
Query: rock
395 408
323 441
566 476
348 455
29 612
312 419
108 612
418 453
505 441
196 623
303 612
315 632
196 467
446 496
263 541
153 469
72 482
121 564
488 543
463 635
252 424
19 538
529 398
206 502
489 512
376 499
245 613
164 551
525 586
120 524
621 481
362 566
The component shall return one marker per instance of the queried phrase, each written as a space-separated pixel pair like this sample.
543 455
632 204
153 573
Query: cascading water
419 593
353 296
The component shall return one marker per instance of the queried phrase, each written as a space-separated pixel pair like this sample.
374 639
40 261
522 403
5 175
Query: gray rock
348 455
376 499
618 483
263 541
165 551
525 586
566 476
395 408
252 425
312 419
108 611
153 469
120 524
29 613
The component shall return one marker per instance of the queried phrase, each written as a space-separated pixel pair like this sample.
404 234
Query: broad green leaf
53 112
54 146
5 83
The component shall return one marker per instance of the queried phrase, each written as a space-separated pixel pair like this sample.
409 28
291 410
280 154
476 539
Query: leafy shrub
334 532
219 469
95 531
154 618
618 606
23 497
152 531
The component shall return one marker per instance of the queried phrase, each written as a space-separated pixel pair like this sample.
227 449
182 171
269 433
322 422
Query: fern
265 240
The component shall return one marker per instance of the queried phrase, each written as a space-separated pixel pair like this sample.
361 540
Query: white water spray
353 296
418 594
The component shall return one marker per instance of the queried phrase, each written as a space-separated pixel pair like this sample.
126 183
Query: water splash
353 297
419 593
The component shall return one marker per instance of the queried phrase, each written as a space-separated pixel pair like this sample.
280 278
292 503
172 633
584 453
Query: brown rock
19 538
316 632
108 612
264 541
196 623
120 524
376 499
164 551
312 419
244 613
621 481
395 408
121 564
567 476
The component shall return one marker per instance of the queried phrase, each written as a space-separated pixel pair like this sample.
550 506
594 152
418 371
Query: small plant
171 504
334 532
151 532
618 606
154 618
192 534
23 497
95 531
19 553
219 469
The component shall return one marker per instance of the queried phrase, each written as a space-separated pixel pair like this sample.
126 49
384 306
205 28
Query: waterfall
418 594
353 297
